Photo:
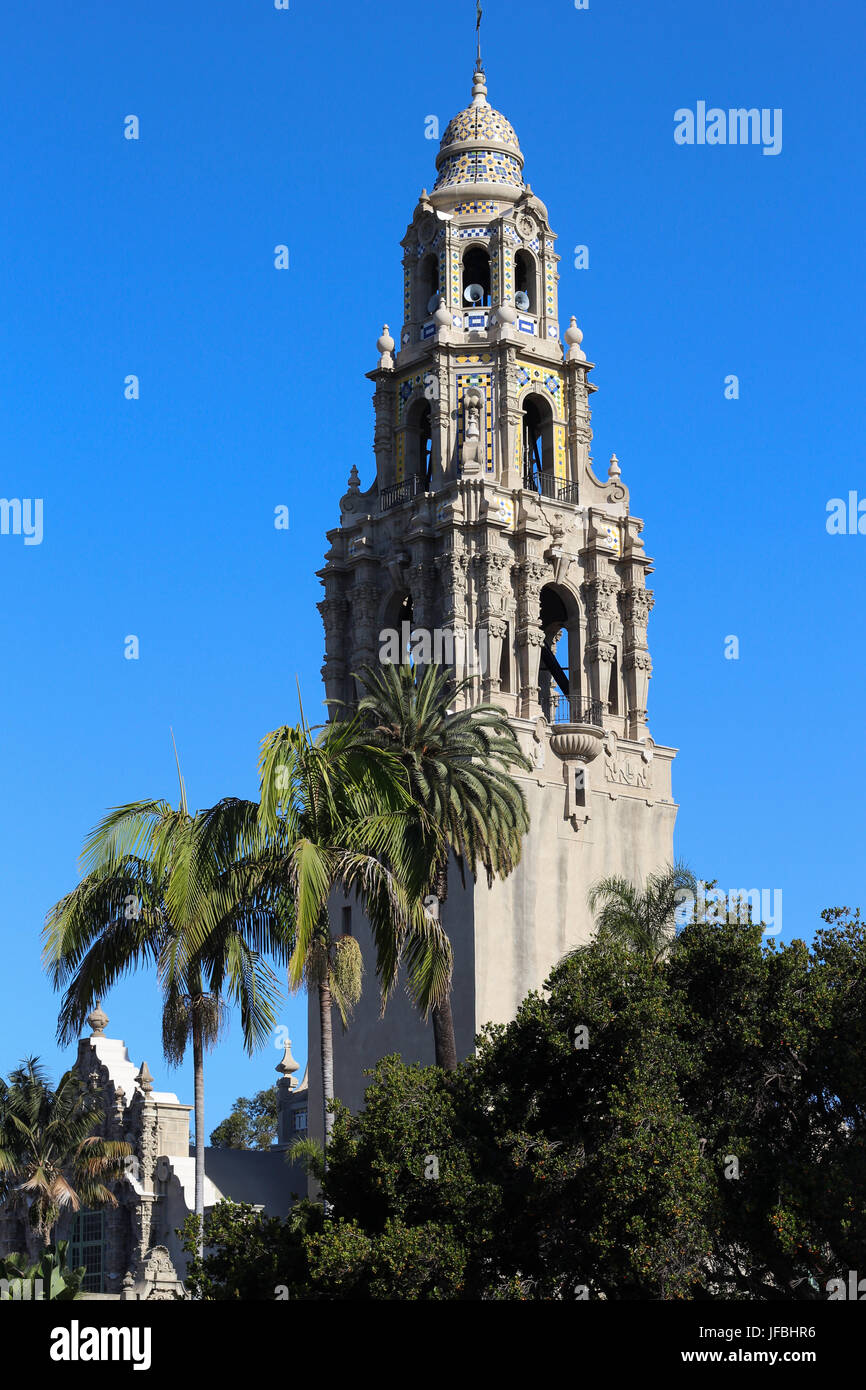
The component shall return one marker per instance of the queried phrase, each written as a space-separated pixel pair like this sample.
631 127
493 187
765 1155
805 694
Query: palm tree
50 1159
339 816
641 919
458 763
178 891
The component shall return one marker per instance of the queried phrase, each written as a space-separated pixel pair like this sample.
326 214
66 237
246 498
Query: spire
478 35
479 87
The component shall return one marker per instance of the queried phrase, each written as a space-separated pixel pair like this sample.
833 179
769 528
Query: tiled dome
479 149
480 124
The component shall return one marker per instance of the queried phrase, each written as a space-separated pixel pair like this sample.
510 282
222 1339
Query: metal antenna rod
478 30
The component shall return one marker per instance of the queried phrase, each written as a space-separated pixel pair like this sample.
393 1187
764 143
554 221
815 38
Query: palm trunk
198 1067
327 1060
444 1041
443 1036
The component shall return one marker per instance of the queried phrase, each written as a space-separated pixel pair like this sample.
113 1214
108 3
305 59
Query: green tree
458 763
49 1278
181 892
339 815
251 1125
250 1256
50 1158
685 1126
644 919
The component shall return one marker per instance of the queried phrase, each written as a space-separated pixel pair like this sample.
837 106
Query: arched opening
394 638
537 427
419 444
476 271
613 688
559 684
426 287
505 663
525 283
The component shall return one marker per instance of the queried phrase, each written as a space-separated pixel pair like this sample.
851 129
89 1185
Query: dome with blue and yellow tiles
479 150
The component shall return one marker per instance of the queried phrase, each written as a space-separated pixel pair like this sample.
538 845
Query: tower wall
487 527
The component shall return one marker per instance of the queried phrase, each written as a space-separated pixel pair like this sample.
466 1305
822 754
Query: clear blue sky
306 127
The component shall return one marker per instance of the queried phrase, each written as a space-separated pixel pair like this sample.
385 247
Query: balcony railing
398 492
559 709
548 485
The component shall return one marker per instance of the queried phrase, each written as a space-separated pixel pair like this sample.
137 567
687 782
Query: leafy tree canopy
691 1127
251 1125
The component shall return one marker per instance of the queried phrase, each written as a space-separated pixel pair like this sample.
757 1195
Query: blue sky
306 127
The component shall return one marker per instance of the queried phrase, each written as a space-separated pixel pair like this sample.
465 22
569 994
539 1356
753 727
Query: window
299 1119
419 443
427 287
524 282
538 446
87 1247
505 664
613 688
476 271
347 920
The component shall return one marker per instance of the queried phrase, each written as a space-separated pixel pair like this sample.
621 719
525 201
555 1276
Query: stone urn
581 741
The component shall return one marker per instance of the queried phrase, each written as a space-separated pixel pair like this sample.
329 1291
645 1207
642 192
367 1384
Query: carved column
334 610
637 605
364 601
511 473
579 416
494 591
148 1144
383 439
452 568
530 637
601 616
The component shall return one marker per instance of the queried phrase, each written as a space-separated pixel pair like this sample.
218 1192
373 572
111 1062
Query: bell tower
487 534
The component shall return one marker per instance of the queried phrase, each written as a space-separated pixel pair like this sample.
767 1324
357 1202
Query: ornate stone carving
624 768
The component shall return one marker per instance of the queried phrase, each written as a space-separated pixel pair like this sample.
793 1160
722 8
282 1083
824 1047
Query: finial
287 1065
354 479
98 1021
574 338
385 345
478 34
442 316
144 1079
614 470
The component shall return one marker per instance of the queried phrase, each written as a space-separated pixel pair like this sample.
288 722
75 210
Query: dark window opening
612 693
476 272
537 443
525 280
505 664
427 287
347 920
419 444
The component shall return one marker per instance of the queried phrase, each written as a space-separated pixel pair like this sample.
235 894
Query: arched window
476 271
559 684
505 663
426 287
525 282
419 458
537 427
613 688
